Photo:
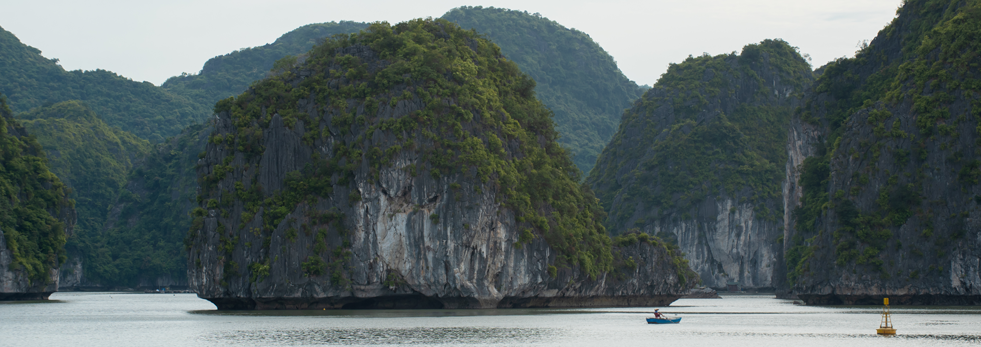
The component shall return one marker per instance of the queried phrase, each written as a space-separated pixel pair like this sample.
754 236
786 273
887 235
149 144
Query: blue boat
664 320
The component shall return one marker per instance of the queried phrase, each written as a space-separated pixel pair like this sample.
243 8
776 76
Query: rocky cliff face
15 285
699 159
71 276
802 141
890 195
727 243
31 80
35 216
406 167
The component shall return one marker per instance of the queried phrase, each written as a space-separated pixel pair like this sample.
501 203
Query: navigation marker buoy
885 327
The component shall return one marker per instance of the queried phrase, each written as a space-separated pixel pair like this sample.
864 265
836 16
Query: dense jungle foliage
711 126
574 76
93 159
29 194
30 80
481 120
924 65
145 229
230 74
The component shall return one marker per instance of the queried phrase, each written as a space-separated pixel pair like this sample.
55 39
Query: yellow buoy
885 327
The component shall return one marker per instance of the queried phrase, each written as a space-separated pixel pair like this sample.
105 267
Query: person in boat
657 313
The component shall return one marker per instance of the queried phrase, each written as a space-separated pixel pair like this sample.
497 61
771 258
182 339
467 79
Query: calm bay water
119 319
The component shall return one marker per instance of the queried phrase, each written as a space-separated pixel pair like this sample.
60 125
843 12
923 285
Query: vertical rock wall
727 244
802 141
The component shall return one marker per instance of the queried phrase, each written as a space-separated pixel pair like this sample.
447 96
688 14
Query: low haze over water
116 319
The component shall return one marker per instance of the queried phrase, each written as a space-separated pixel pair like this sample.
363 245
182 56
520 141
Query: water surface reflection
117 319
385 336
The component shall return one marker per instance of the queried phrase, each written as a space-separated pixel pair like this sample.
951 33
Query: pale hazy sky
153 40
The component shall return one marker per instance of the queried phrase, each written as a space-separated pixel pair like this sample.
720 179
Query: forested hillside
93 159
230 74
31 80
574 76
147 223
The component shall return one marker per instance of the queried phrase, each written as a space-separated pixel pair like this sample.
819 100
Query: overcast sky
153 40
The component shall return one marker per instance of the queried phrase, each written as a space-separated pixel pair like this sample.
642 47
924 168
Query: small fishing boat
664 320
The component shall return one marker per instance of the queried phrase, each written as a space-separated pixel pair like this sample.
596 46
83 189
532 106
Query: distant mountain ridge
29 80
230 74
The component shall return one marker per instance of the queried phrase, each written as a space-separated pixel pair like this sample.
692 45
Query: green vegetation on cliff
711 126
575 77
29 195
231 74
93 159
479 119
896 171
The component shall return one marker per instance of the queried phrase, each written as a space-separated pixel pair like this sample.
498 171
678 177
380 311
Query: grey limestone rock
14 285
